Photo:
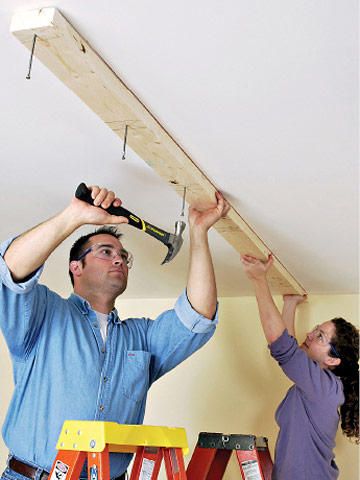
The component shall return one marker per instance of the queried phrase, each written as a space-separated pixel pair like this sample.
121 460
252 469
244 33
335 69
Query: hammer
172 240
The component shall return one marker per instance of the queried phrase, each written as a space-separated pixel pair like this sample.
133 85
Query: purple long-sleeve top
308 416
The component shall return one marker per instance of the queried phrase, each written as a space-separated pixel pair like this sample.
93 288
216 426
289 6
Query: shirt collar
85 307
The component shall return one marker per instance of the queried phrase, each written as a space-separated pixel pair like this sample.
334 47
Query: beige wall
231 385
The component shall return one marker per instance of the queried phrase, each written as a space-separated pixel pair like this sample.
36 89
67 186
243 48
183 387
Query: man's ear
75 268
332 362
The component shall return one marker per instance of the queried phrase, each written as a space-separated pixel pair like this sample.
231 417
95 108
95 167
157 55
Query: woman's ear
332 362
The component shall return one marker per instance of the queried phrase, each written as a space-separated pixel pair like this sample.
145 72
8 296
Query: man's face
107 275
317 344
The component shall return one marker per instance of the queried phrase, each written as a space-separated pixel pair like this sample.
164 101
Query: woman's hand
294 299
254 268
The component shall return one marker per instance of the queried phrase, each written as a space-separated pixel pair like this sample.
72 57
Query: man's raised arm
201 285
31 249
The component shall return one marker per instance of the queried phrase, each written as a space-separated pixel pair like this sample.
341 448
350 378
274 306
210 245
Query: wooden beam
70 57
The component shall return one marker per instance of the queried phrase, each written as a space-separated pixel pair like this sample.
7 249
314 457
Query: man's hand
203 220
87 214
254 268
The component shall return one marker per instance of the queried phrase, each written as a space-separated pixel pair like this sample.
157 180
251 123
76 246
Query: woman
325 373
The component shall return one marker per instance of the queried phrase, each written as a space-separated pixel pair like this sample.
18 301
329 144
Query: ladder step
213 451
81 440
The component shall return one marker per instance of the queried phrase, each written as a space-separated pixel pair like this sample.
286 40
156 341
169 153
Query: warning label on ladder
147 468
251 470
60 471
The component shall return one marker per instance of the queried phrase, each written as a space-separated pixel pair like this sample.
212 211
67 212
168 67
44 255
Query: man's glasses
321 338
108 252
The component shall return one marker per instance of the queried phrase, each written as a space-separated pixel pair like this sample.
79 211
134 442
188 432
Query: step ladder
93 441
212 454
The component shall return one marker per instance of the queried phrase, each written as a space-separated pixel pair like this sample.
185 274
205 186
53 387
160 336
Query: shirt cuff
194 321
6 277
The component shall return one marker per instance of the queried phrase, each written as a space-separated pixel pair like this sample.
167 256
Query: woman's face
317 345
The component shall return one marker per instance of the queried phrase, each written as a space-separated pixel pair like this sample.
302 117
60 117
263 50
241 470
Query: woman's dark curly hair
346 342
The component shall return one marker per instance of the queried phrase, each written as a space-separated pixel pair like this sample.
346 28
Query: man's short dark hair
80 244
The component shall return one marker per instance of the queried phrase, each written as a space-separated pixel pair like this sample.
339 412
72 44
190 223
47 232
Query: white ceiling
262 95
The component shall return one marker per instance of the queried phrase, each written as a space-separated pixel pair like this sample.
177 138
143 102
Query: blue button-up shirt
64 371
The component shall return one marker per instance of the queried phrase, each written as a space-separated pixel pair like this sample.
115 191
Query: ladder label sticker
93 473
147 468
251 470
60 471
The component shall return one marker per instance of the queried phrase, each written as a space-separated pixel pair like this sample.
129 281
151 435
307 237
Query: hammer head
175 241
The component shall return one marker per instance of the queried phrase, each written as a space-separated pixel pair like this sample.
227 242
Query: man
75 359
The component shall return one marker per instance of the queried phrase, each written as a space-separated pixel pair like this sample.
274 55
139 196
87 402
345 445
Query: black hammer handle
84 194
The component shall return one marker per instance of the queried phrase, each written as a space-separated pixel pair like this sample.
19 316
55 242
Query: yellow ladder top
93 436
